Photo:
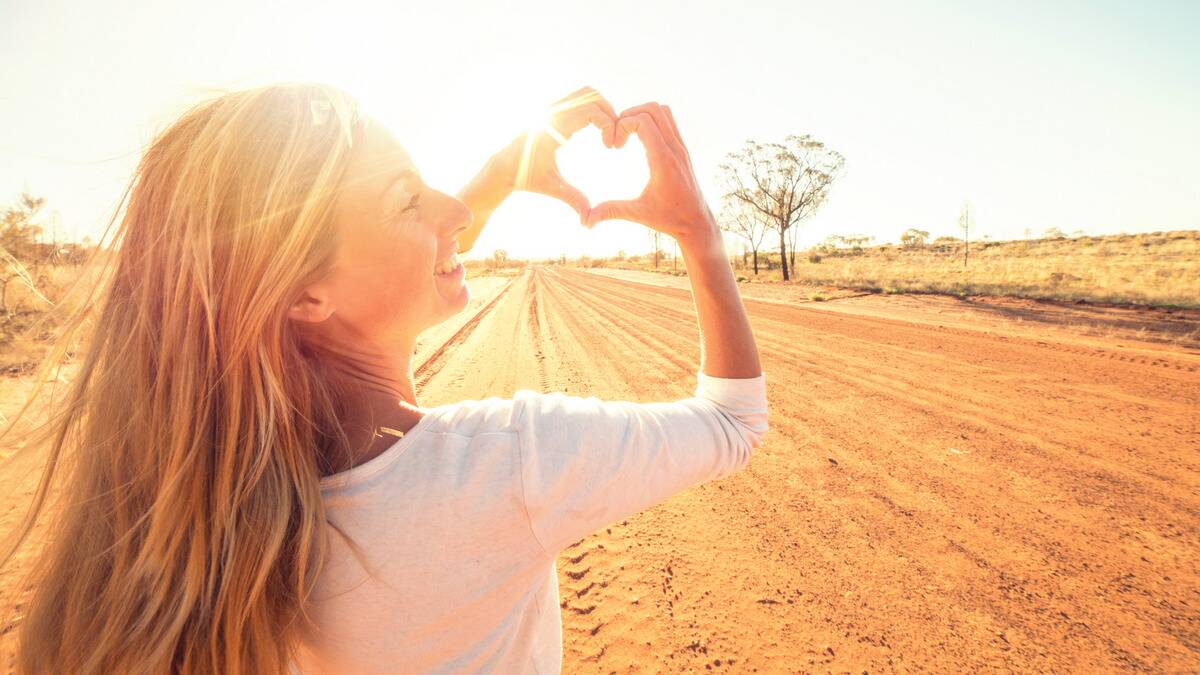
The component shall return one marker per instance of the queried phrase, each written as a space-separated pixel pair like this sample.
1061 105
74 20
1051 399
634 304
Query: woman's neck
375 389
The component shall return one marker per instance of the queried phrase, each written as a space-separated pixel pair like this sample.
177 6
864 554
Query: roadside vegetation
35 276
499 264
1157 269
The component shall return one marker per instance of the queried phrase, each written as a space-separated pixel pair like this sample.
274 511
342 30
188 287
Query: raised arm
483 195
727 347
673 204
587 462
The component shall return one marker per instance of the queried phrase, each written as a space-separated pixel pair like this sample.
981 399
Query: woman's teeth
448 265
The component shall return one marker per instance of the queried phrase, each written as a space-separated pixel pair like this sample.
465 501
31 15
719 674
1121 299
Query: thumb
613 210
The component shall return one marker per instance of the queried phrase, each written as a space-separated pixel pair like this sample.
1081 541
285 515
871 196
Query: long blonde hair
190 530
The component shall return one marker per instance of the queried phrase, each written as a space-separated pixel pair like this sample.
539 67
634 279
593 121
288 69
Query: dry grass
479 268
1158 269
20 348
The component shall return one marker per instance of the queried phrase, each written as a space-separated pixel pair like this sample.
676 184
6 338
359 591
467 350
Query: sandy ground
944 487
949 496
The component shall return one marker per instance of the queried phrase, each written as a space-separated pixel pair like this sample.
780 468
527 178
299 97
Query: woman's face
395 272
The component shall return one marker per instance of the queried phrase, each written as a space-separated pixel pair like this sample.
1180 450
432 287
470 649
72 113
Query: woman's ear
313 306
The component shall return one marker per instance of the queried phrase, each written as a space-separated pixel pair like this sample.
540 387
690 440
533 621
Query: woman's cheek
410 288
411 281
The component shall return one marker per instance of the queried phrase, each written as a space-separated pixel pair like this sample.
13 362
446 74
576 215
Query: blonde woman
253 486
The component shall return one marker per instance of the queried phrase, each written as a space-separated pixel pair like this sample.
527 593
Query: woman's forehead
378 154
375 164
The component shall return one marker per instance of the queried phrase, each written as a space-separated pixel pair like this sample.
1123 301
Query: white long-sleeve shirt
461 521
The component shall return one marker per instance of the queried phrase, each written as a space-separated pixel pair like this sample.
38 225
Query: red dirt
950 493
928 497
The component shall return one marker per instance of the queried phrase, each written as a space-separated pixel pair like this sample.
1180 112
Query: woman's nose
454 217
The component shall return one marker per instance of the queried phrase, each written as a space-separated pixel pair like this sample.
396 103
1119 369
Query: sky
1069 115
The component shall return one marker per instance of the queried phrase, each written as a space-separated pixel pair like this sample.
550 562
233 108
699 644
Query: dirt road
939 490
928 497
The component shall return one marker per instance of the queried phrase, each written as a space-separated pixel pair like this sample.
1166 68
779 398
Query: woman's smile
448 266
451 280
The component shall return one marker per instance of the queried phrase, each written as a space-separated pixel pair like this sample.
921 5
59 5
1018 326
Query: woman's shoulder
526 410
475 416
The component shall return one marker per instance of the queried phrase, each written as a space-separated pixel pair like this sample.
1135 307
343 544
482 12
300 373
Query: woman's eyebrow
410 172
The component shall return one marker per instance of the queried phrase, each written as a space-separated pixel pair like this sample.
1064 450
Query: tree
964 224
656 240
914 238
856 241
20 253
834 242
741 219
499 258
792 232
783 182
18 233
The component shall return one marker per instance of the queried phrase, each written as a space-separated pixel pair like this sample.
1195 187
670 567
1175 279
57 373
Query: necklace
388 430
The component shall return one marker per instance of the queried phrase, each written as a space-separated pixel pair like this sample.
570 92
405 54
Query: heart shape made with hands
601 173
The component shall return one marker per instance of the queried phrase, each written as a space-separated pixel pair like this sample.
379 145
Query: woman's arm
727 347
484 194
672 203
586 462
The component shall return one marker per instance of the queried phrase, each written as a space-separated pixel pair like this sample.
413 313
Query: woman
239 500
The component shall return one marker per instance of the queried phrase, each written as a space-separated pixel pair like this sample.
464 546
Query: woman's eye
412 204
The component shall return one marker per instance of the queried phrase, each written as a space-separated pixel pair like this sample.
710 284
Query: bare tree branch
782 183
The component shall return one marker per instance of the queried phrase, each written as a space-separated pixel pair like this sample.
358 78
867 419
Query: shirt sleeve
586 463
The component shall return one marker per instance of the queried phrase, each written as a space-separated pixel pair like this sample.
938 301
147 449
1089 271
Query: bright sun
454 126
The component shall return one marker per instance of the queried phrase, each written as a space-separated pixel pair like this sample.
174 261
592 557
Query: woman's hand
533 157
529 162
671 201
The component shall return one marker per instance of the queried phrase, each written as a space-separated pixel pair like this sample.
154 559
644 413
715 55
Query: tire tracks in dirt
928 496
773 354
438 358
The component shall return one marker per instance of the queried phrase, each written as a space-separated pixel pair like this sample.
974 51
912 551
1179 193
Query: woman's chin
455 296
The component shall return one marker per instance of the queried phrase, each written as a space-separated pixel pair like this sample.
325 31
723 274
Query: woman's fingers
571 113
623 209
655 112
640 121
655 128
604 117
605 121
642 124
674 128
